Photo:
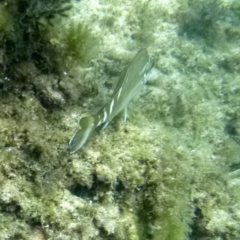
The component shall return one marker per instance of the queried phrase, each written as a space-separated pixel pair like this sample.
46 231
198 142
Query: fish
129 85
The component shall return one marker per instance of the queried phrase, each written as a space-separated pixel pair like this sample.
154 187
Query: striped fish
129 84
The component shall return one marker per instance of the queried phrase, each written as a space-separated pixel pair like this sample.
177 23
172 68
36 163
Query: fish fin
145 78
104 125
125 114
82 135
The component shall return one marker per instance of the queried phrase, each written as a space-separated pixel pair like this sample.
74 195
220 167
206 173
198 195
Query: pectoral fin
104 125
82 135
125 114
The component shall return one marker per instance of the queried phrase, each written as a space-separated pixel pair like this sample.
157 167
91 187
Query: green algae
76 43
5 20
24 33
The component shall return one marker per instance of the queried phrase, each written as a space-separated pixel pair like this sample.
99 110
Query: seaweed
200 18
27 40
75 43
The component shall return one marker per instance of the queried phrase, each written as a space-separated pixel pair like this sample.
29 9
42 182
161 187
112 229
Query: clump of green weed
5 19
145 18
75 43
27 39
143 34
200 18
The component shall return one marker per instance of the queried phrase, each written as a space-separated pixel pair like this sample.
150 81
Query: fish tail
81 136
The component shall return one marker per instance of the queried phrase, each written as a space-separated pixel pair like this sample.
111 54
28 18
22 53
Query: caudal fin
82 135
